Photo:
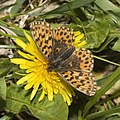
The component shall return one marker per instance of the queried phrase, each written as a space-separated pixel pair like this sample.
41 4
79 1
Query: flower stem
106 60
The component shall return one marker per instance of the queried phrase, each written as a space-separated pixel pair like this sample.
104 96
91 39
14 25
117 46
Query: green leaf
2 92
109 82
101 81
118 1
3 7
5 117
116 46
110 9
106 5
74 4
5 67
17 6
3 88
97 33
44 110
112 113
64 8
104 44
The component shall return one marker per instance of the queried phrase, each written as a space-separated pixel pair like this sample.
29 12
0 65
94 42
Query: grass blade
104 114
109 82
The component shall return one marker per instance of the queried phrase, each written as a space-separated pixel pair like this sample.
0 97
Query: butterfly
72 65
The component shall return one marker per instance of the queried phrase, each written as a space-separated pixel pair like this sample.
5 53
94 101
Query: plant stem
106 60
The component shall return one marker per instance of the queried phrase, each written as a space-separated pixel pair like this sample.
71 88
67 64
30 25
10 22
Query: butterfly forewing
64 35
42 34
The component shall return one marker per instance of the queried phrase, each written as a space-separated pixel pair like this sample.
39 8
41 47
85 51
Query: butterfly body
57 63
72 65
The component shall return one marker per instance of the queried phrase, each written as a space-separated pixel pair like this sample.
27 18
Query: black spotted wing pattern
82 81
73 65
42 34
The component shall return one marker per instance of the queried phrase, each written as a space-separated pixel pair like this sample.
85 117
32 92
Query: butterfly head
50 68
54 66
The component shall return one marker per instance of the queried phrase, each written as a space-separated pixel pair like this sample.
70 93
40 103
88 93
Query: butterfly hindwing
80 60
82 81
85 59
77 71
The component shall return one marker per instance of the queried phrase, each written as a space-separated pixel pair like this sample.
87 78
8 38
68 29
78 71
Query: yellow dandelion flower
37 75
79 41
